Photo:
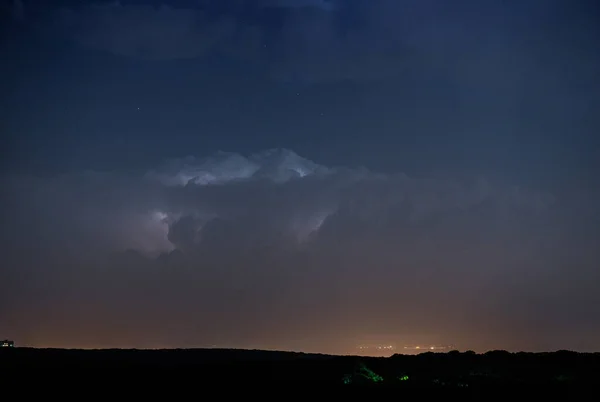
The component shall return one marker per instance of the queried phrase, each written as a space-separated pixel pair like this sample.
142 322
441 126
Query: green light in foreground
364 372
369 374
403 378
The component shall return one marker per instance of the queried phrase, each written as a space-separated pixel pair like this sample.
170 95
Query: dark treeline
500 370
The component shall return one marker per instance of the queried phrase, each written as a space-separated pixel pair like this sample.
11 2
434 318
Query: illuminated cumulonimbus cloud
277 165
271 173
277 196
273 198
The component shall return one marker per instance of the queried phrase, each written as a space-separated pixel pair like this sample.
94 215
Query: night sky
304 175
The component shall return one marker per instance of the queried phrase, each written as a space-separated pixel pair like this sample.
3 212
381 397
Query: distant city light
376 348
383 348
429 347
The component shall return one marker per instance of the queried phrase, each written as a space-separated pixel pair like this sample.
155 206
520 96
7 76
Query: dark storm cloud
165 33
15 9
248 242
326 5
364 41
146 31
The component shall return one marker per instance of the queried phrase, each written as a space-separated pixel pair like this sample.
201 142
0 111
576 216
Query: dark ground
561 375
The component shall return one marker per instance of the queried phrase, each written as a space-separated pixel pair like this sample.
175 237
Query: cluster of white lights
425 347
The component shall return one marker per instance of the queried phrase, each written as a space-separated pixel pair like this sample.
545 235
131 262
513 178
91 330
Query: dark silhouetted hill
561 371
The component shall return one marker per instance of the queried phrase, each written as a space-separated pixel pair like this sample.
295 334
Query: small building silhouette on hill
7 344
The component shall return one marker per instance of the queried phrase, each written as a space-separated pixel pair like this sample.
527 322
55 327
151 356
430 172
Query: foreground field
440 371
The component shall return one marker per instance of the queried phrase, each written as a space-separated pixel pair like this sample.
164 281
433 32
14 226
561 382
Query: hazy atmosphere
304 175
